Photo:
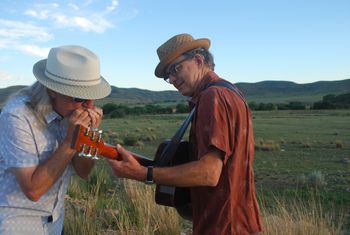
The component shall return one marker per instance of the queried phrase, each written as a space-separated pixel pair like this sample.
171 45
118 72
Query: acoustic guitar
177 197
89 143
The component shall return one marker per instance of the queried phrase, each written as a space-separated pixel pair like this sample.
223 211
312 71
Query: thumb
122 152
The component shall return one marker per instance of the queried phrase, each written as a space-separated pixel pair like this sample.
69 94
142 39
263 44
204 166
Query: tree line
328 102
112 110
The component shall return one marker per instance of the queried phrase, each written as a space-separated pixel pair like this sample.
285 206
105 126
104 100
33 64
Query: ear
199 59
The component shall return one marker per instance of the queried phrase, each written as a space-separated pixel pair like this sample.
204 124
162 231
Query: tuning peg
87 130
81 154
95 156
93 136
88 155
99 138
82 151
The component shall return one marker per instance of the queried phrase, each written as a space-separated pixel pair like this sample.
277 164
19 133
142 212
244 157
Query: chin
183 93
186 93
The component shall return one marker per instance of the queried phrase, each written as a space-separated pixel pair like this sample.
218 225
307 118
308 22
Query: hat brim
160 69
99 91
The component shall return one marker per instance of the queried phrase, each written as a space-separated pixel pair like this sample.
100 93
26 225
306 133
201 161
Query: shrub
339 144
266 145
316 179
182 108
130 140
118 113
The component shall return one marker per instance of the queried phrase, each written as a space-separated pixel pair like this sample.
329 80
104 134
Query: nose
88 104
172 79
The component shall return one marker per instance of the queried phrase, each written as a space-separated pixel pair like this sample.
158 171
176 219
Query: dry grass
266 145
294 217
129 208
154 218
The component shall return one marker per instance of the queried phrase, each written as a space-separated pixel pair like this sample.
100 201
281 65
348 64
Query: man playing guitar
220 171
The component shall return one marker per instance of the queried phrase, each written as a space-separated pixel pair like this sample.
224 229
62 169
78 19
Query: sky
302 41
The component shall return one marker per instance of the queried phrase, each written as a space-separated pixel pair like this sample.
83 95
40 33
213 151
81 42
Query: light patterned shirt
25 142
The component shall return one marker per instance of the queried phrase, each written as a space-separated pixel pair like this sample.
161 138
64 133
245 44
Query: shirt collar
207 79
51 116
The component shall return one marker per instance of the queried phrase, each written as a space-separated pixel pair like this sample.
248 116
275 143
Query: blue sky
302 41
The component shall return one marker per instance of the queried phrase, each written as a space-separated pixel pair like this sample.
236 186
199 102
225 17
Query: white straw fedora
175 47
73 71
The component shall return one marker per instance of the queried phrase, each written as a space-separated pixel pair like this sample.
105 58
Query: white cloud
73 6
14 33
92 24
85 18
33 50
113 6
41 11
38 14
26 37
15 30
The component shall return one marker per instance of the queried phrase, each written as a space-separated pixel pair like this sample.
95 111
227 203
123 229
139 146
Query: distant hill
284 92
136 95
266 91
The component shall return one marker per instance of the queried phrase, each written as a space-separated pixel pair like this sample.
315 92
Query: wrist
67 146
149 175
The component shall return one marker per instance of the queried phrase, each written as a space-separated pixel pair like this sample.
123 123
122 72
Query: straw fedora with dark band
175 47
73 71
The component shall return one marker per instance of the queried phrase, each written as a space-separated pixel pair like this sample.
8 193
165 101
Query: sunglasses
79 100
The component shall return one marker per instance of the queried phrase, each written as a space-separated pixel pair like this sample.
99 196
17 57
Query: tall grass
152 217
106 206
297 216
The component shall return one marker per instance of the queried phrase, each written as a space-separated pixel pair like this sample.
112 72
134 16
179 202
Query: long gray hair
39 100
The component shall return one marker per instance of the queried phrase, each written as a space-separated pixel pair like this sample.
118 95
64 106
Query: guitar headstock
88 142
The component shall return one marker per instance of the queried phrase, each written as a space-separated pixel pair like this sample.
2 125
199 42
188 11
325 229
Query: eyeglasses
79 100
174 69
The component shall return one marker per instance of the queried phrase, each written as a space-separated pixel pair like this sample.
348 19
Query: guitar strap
170 150
231 87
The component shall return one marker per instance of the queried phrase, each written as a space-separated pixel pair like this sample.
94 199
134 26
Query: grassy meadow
302 173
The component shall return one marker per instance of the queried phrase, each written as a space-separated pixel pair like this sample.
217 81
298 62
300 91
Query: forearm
204 172
35 182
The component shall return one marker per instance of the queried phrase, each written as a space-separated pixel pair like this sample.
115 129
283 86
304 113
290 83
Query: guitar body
177 197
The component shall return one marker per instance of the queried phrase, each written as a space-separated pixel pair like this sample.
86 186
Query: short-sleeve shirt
26 142
223 122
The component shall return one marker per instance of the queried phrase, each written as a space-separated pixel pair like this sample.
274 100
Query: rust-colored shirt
223 121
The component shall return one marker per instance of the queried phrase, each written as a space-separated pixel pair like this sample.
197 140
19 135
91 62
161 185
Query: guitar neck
110 151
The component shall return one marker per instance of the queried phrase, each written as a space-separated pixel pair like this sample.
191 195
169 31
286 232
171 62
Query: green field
299 155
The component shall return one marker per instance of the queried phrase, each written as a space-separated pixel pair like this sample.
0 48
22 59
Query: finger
95 117
76 114
99 111
96 111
